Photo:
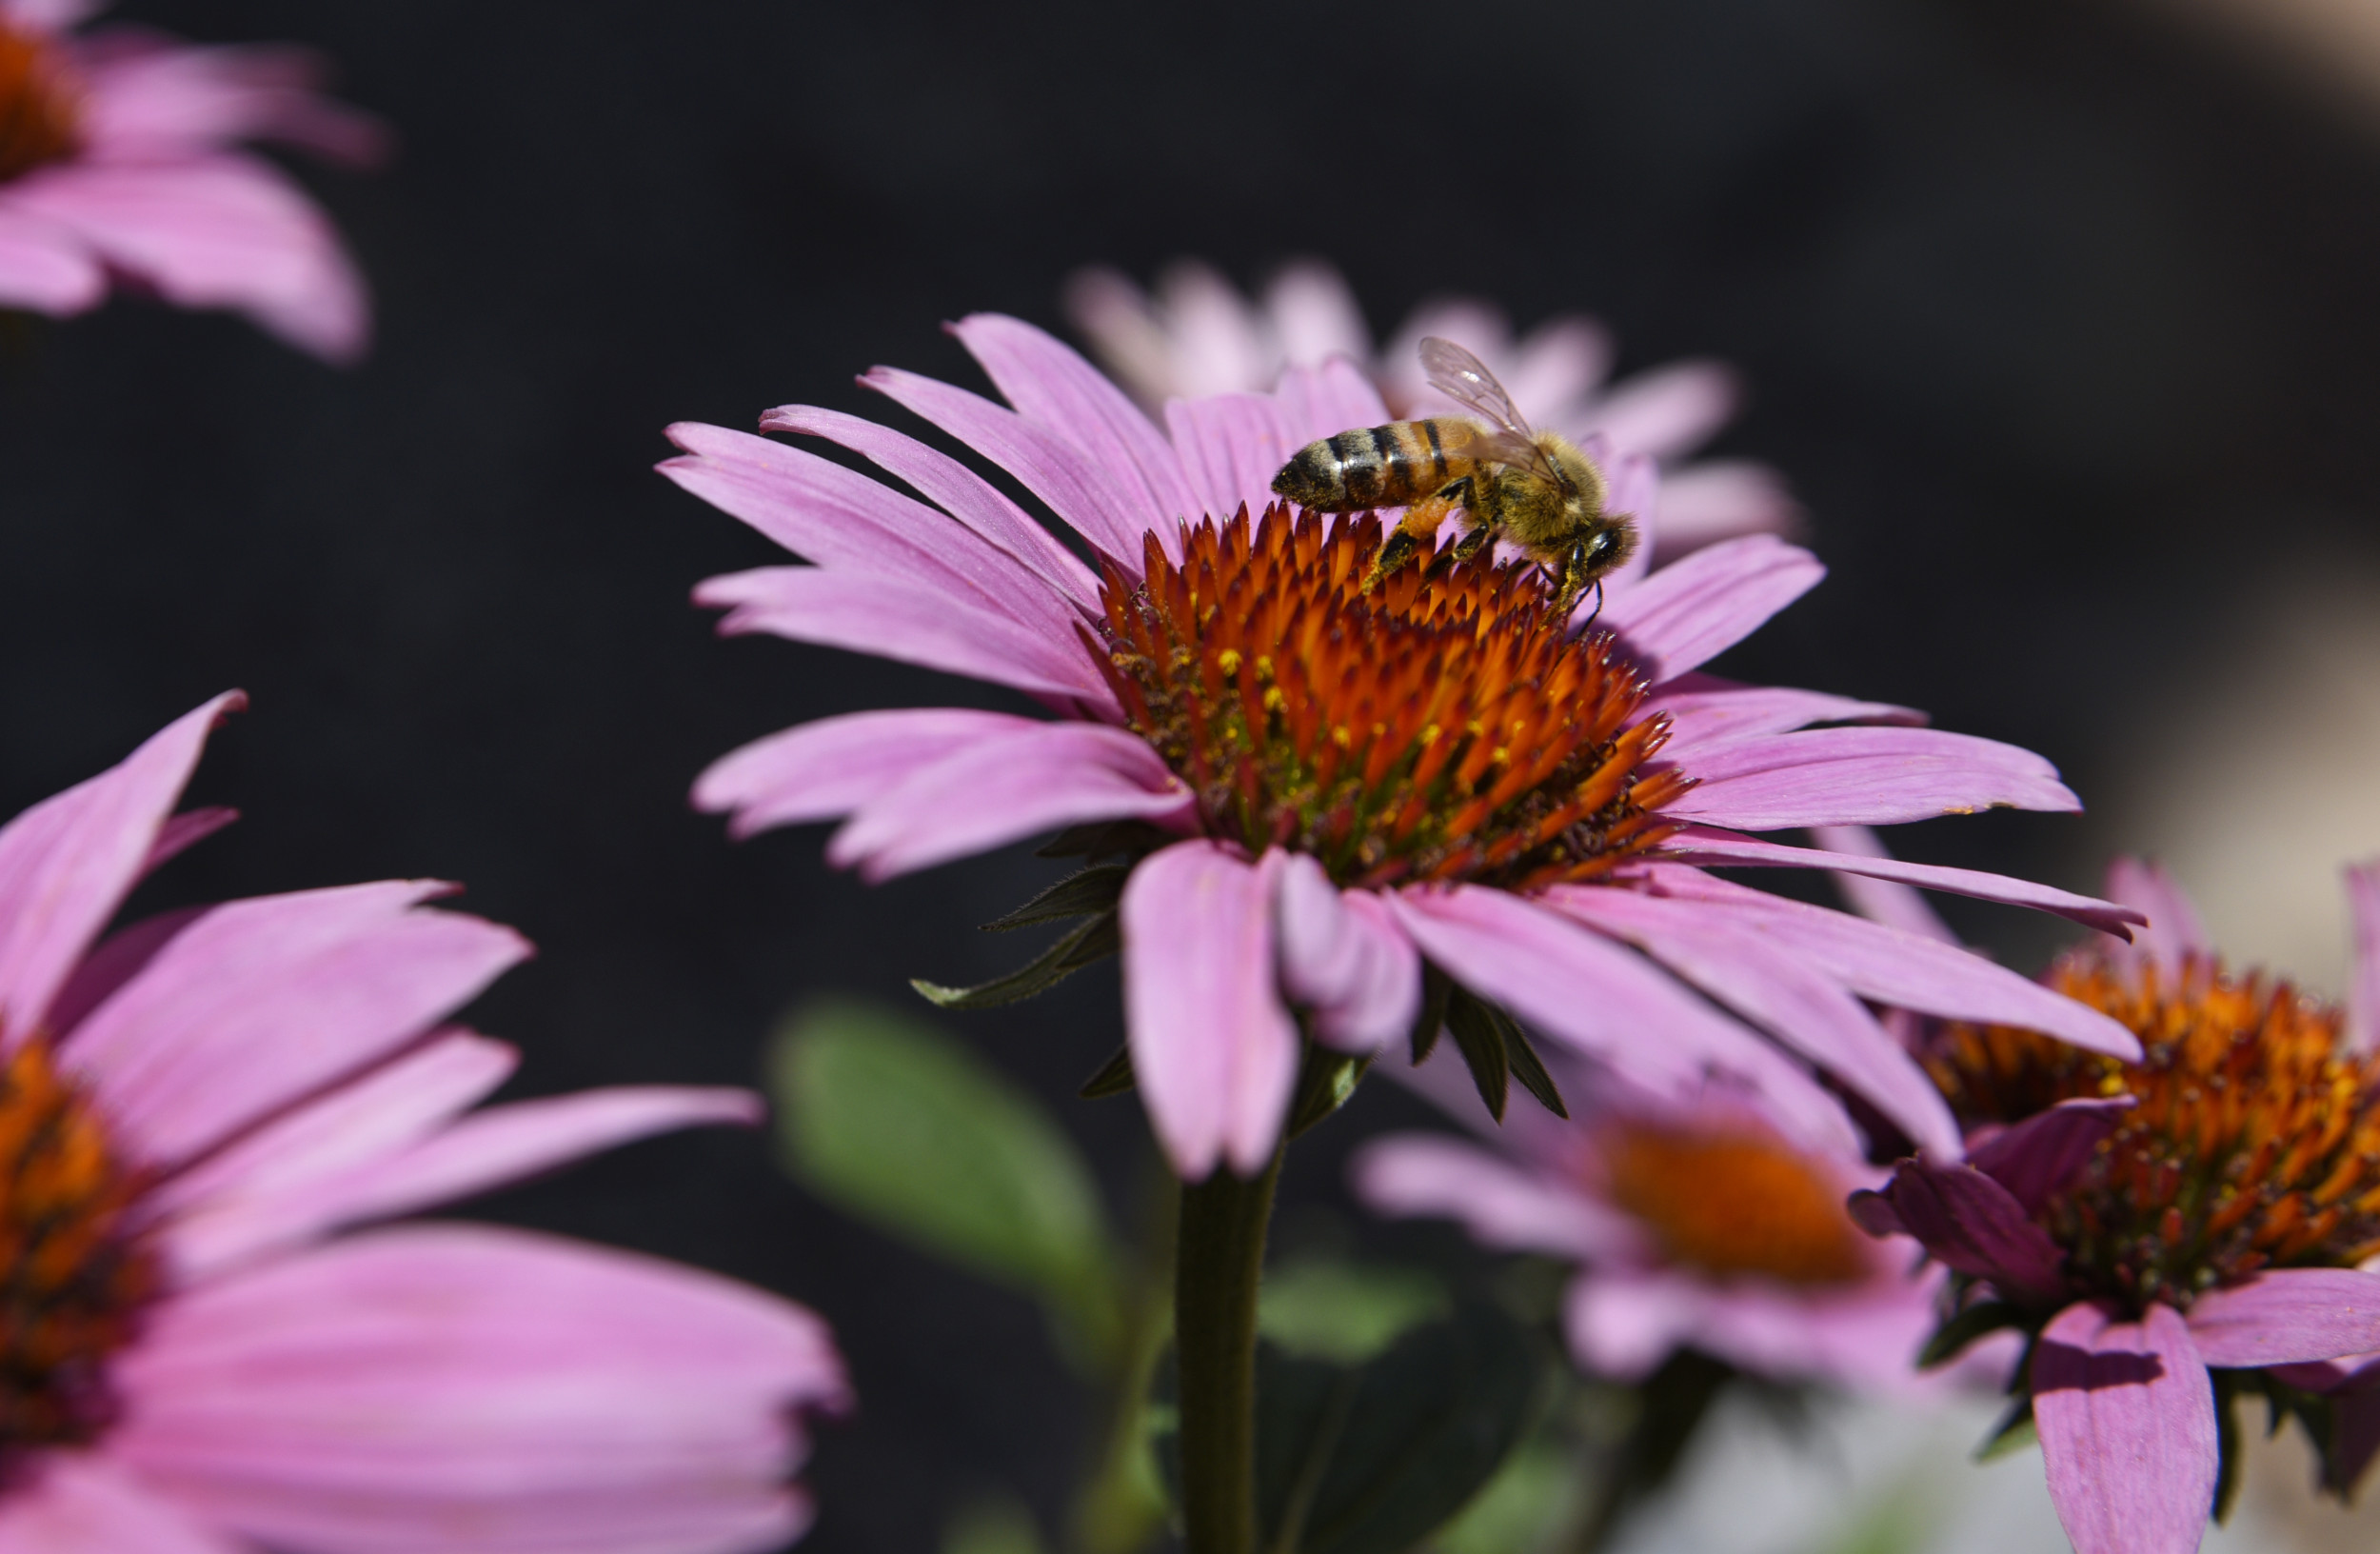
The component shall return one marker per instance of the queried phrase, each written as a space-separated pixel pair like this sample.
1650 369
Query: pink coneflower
193 1358
1195 335
1705 1225
118 157
2176 1231
1315 792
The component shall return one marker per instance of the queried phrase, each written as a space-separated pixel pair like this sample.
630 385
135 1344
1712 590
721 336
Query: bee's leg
1410 533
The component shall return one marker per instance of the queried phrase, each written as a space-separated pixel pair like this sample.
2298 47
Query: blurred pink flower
2205 1208
1694 1224
1320 804
196 1361
117 157
1195 335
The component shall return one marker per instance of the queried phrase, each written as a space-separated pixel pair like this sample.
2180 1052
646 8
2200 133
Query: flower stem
1217 1270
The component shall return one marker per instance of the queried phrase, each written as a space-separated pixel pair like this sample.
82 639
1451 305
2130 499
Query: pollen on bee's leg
1397 722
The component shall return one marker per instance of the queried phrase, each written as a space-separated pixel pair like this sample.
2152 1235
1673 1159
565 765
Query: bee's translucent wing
1465 379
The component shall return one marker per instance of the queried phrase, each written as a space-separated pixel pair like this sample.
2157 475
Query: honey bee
1532 488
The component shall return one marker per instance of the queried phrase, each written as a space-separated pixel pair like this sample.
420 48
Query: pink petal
259 1002
1781 992
952 487
1216 343
1706 845
49 15
1865 776
1703 720
66 863
487 1149
1621 1323
1316 315
44 268
1889 901
1232 445
904 622
2286 1315
1215 1052
1559 364
825 769
153 103
1099 504
846 522
1688 612
1668 411
1115 316
1607 1002
1969 1222
1050 384
2363 1003
2174 928
225 232
1324 401
1503 1206
184 831
1891 967
1344 960
1002 789
1722 499
479 1391
2127 1418
82 1503
2034 1158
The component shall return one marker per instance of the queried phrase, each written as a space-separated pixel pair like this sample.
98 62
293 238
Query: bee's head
1599 550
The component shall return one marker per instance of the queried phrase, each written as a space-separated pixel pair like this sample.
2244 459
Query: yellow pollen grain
1228 661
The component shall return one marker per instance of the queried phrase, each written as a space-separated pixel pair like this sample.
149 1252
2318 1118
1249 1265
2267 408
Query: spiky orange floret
1444 727
73 1278
39 113
1733 1204
2256 1142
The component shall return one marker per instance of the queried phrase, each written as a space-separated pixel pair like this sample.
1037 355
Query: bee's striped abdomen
1371 467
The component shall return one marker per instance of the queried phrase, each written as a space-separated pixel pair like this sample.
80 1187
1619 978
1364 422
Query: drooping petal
1213 1048
1708 845
952 487
1668 411
1688 612
1969 1222
1503 1206
66 863
1891 967
2033 1158
1703 719
2126 1412
1889 901
843 521
2174 928
1117 317
2286 1315
1867 776
1315 314
44 268
82 1503
1781 992
225 232
479 1391
1232 445
259 1002
2363 1002
1003 788
484 1151
1050 384
1344 958
1609 1003
1112 517
1719 500
825 769
905 621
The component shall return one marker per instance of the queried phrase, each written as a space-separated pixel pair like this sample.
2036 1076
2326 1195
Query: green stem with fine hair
1218 1269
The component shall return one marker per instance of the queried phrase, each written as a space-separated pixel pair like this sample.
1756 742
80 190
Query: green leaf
1327 1078
1114 1078
898 1124
1480 1040
1437 988
1532 1496
1105 839
1086 945
1972 1324
2013 1434
1084 893
1397 1445
1526 1065
1320 1308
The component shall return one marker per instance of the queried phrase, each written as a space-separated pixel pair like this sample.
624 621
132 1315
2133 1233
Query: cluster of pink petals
277 1071
1667 975
1195 335
158 193
1539 1187
2123 1404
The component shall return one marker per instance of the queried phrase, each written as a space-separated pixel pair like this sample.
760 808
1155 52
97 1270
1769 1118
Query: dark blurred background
2061 317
